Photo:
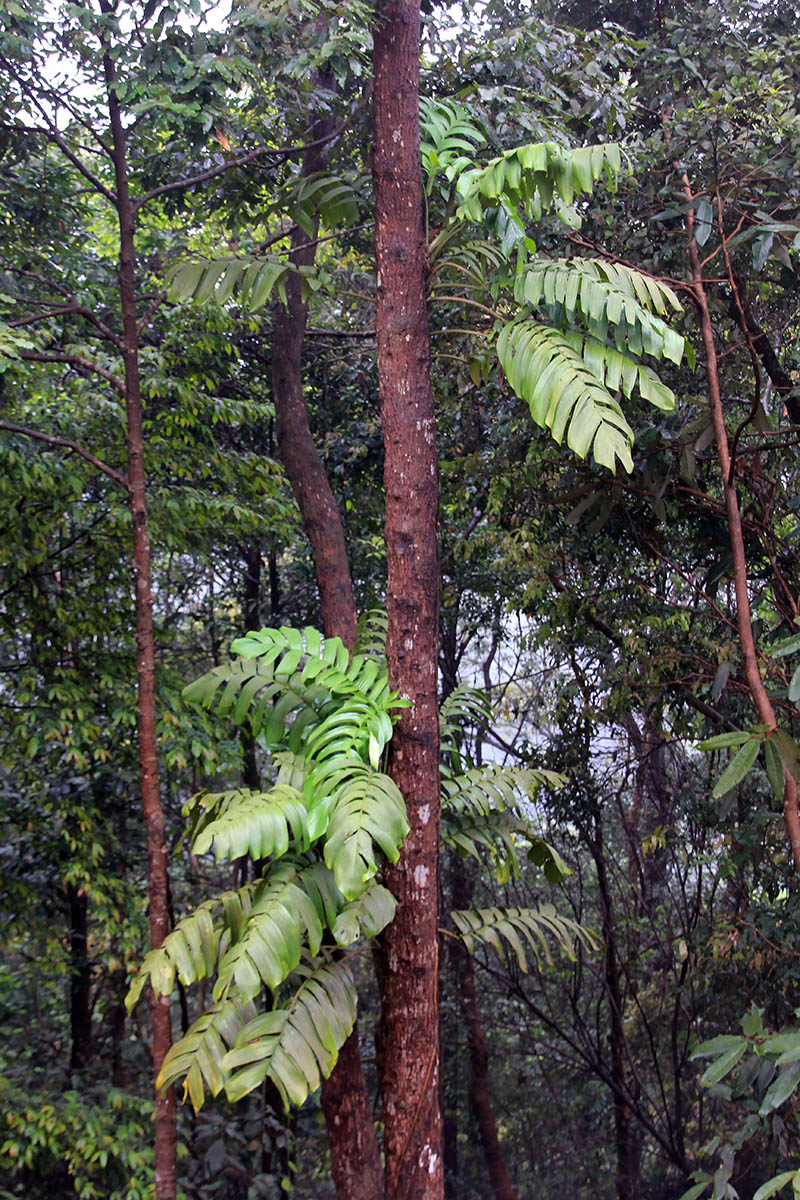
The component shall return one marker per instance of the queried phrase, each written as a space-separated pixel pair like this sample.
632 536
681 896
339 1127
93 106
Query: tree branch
260 152
68 444
74 360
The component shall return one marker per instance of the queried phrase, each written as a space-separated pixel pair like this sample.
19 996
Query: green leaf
774 767
297 1044
521 926
788 750
564 395
366 916
198 1055
724 1064
781 1089
697 1190
723 741
737 768
705 216
774 1185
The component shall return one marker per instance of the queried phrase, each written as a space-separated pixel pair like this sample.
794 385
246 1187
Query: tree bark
355 1155
165 1139
409 1034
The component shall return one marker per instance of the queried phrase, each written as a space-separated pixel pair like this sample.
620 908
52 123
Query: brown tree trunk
479 1095
761 701
80 981
479 1086
409 1023
312 491
626 1145
250 613
165 1147
355 1154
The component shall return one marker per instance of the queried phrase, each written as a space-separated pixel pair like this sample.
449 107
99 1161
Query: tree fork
165 1138
409 1017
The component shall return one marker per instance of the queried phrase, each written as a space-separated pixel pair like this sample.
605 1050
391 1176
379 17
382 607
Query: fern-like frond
247 822
535 178
365 916
618 371
248 280
521 928
371 634
297 1044
330 197
493 833
365 809
484 807
563 394
493 787
465 707
356 726
449 139
282 921
197 1056
601 294
287 676
190 951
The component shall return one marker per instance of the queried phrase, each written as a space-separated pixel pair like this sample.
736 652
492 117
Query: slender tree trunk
761 701
480 1098
321 518
165 1147
355 1154
250 612
80 981
409 1020
627 1148
479 1094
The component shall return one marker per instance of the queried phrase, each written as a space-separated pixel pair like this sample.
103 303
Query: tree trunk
250 612
355 1154
409 1034
479 1094
165 1147
479 1086
626 1145
321 518
80 980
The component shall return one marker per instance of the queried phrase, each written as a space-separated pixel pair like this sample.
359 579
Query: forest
399 599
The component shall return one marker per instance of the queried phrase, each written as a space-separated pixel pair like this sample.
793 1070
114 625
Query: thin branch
68 444
280 152
151 312
751 416
74 360
65 310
